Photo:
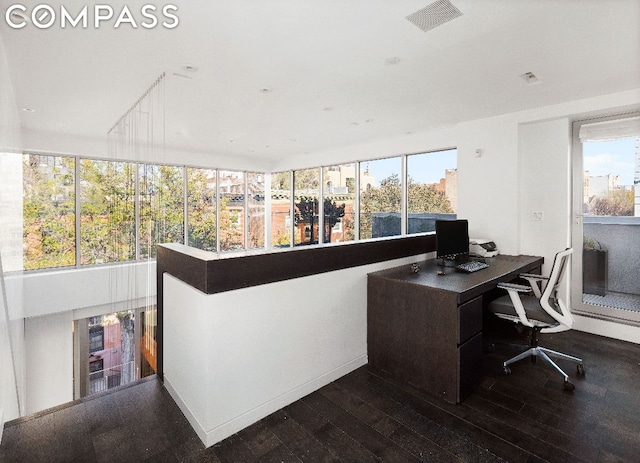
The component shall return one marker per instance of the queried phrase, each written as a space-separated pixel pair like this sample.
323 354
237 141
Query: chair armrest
534 276
516 287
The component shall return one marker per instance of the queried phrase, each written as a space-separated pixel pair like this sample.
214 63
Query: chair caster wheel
506 371
581 369
569 386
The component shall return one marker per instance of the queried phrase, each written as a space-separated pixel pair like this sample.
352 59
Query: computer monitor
452 240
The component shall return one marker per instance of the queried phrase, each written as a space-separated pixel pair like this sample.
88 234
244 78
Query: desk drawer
470 317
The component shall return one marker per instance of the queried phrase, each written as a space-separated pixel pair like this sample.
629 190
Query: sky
611 157
422 168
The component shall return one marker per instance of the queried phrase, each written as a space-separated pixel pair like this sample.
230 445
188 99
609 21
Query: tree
48 211
385 198
202 210
388 196
161 207
615 203
306 212
332 215
107 211
426 198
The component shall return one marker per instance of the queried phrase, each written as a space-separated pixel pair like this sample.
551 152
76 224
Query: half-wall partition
246 335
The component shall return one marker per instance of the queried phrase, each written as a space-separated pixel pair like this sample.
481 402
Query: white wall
49 356
233 358
92 288
11 324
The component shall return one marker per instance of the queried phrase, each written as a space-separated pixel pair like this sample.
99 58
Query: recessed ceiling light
29 110
265 90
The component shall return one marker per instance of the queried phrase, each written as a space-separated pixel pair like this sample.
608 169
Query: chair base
544 353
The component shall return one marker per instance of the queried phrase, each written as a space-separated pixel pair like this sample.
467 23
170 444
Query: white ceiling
327 64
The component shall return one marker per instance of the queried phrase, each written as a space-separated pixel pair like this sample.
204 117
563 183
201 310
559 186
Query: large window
381 198
107 211
49 219
126 208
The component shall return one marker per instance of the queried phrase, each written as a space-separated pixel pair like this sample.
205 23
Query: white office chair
542 312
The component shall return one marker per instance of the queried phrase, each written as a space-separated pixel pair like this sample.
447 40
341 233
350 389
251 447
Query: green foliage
48 212
426 198
161 207
388 196
385 198
107 211
202 210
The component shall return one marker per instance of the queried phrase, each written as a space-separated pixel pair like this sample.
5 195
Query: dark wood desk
426 329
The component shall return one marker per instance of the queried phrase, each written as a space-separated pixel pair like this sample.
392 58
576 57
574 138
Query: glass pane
280 209
306 193
107 211
161 207
112 347
49 218
201 209
339 203
232 190
255 203
432 189
380 198
611 225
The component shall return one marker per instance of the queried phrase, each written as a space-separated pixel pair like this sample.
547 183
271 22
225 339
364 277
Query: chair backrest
549 300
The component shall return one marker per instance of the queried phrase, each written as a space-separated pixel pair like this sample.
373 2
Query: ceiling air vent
434 15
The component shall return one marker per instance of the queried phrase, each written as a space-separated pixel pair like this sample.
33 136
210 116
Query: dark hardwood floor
365 416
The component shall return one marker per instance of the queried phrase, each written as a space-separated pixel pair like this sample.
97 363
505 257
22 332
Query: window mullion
404 215
321 207
185 212
77 210
356 205
292 201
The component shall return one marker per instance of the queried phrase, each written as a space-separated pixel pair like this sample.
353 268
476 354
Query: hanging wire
138 136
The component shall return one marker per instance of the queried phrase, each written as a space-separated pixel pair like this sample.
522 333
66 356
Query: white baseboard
212 436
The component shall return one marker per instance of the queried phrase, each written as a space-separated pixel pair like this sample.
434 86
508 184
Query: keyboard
471 266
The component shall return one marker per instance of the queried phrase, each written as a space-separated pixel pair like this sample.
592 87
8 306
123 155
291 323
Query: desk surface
466 285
